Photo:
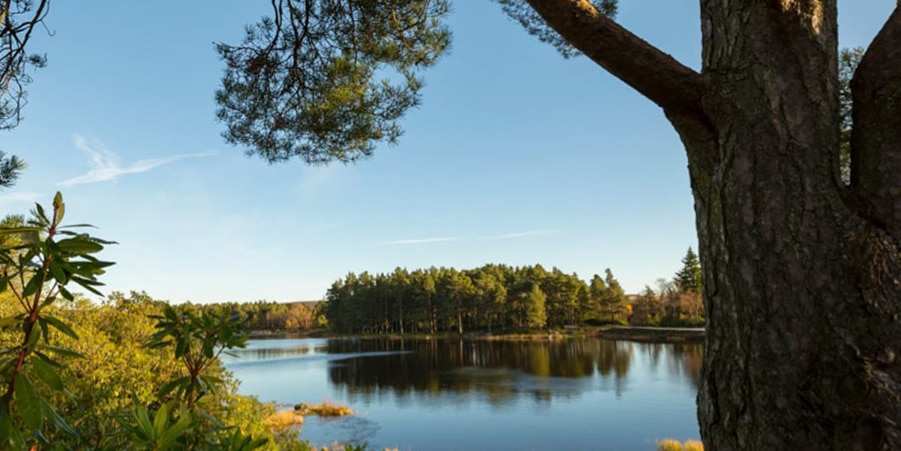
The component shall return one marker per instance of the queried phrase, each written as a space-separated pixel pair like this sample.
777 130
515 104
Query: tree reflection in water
498 371
681 359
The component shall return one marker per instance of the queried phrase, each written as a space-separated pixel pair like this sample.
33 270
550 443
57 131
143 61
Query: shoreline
694 335
644 334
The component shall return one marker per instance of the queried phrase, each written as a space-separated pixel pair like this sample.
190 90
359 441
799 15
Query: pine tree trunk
401 316
801 286
432 326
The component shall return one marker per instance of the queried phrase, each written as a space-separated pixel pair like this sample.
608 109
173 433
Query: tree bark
876 92
801 287
801 276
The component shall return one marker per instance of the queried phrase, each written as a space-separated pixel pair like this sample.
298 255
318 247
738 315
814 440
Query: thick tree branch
876 137
656 75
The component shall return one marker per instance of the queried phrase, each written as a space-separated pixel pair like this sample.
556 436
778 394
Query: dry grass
283 419
325 410
669 444
287 418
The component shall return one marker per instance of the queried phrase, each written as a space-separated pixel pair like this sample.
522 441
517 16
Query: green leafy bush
128 373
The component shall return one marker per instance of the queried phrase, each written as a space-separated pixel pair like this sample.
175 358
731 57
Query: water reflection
257 350
680 359
498 371
459 394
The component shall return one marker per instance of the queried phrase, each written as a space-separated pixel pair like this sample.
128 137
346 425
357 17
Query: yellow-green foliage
113 373
130 373
669 444
118 371
693 445
248 414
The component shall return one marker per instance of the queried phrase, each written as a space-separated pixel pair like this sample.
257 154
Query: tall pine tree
689 277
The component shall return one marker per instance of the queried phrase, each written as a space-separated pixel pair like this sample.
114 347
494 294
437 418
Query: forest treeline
497 298
270 316
492 298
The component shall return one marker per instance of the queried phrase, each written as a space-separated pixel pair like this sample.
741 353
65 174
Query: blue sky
517 156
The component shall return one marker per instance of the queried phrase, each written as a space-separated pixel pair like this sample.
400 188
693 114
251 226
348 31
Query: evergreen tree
614 302
400 292
596 291
689 277
535 313
491 294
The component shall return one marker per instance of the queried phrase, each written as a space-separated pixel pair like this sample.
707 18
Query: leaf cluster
324 80
197 338
10 169
38 260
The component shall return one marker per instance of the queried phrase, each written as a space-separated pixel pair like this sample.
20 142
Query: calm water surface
574 394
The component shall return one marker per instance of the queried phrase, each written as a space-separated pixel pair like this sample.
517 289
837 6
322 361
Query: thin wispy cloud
105 165
415 241
508 236
20 197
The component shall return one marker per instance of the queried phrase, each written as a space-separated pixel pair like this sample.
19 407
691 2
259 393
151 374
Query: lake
452 394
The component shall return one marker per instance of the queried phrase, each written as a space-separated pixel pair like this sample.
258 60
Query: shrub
669 445
693 445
